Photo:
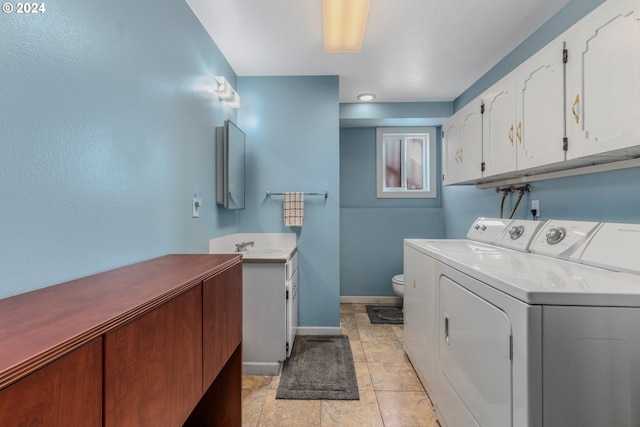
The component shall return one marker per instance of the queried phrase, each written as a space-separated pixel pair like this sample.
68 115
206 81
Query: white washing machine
530 339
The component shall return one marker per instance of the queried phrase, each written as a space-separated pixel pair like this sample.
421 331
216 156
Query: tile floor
391 394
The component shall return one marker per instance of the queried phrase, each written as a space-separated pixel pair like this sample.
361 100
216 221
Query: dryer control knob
484 227
516 232
555 235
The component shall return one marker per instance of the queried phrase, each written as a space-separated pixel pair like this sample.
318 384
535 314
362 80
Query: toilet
398 284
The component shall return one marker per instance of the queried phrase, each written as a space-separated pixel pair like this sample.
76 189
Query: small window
406 162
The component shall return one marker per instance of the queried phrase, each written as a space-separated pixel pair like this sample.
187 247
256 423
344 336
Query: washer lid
563 239
488 230
614 246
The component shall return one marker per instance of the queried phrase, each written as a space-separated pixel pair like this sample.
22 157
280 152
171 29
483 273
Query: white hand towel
293 209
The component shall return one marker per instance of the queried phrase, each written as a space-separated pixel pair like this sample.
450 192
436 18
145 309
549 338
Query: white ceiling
413 50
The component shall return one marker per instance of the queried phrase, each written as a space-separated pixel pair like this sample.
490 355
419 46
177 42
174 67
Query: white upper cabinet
539 128
462 142
523 117
499 129
603 80
548 114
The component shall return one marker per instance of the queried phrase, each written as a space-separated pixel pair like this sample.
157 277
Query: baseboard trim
319 330
370 300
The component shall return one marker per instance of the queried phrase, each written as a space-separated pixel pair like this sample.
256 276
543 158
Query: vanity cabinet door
153 365
603 80
67 392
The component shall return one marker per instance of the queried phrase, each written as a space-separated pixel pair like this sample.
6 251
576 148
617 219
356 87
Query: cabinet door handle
573 108
519 132
511 134
446 328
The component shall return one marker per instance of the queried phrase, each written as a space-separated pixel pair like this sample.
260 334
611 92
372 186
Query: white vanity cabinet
270 312
462 142
603 80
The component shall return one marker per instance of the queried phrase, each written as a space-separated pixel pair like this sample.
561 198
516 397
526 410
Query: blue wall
106 132
371 229
612 196
292 129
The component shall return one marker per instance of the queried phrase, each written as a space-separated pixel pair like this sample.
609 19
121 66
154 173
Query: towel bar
324 193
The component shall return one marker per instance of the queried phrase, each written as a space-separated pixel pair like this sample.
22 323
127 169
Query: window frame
429 163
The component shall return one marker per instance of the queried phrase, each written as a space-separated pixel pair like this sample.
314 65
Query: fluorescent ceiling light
343 23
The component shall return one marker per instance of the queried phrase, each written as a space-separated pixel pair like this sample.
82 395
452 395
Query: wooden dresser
156 343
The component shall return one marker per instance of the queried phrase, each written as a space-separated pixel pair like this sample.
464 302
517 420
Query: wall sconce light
343 23
226 93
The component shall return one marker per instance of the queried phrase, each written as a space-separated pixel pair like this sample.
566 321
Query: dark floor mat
384 314
320 367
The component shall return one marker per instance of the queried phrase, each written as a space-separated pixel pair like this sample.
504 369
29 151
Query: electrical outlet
535 204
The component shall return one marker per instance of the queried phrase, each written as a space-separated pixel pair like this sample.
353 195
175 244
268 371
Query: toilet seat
398 279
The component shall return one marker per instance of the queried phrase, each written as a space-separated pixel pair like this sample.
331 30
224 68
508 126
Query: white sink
267 252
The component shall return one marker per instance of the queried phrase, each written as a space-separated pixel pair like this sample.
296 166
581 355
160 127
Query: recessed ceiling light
366 97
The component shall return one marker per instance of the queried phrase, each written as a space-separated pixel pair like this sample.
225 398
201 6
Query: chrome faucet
243 246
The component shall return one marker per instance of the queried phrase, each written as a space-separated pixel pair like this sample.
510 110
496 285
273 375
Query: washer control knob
477 227
484 227
516 232
555 235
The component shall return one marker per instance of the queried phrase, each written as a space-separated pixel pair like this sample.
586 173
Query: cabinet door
462 153
153 365
67 392
452 151
471 140
603 83
499 131
539 108
221 320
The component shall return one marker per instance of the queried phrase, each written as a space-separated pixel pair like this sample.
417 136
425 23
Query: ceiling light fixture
226 93
343 23
366 97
